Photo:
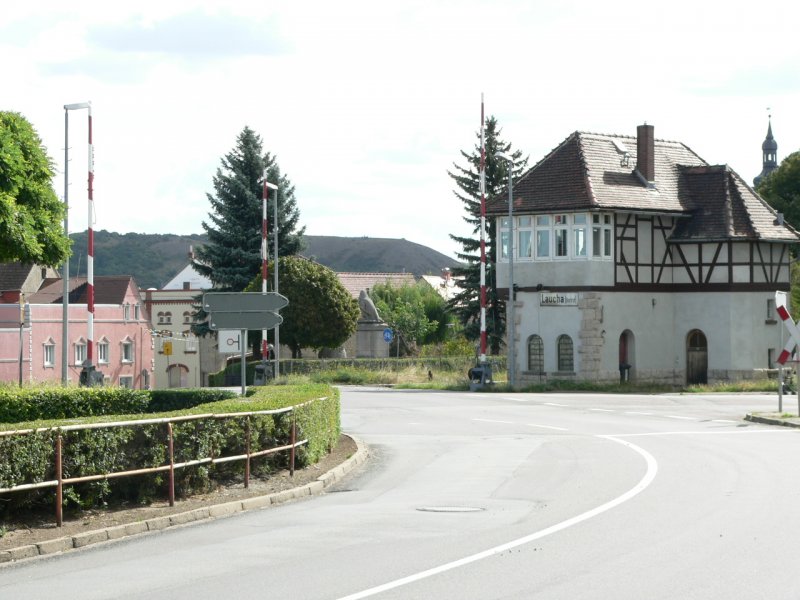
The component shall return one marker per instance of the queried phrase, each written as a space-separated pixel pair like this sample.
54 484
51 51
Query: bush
29 458
43 403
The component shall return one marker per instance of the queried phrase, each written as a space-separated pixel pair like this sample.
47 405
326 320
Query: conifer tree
232 256
466 304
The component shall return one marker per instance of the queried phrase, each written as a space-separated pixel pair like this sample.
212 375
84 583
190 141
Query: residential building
122 344
634 257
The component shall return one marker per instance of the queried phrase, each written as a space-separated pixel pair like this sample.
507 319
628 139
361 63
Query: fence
59 482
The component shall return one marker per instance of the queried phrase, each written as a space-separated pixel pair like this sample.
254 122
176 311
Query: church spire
769 154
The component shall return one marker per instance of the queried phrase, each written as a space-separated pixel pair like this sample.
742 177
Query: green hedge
29 458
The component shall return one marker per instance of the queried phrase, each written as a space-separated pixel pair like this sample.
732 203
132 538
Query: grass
416 377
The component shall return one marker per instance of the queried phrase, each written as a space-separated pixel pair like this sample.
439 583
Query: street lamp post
65 268
512 358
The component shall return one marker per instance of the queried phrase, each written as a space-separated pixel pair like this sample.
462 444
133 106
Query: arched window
187 317
167 317
565 360
160 316
535 355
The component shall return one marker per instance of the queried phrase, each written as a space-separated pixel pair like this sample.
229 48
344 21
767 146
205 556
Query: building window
167 318
191 342
565 362
770 358
561 236
543 236
524 237
80 352
49 353
127 351
579 235
535 355
160 318
126 312
136 312
126 381
504 237
601 236
102 351
187 317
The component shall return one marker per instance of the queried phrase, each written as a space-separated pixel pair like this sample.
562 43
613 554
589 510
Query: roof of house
590 171
107 290
355 282
14 275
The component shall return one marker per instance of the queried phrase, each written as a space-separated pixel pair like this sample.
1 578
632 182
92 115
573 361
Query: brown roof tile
355 282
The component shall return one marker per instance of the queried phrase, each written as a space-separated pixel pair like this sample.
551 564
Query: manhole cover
450 509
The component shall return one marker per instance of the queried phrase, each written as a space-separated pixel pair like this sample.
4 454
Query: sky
367 105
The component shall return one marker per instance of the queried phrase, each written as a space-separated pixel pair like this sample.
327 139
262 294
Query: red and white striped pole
264 247
90 254
483 242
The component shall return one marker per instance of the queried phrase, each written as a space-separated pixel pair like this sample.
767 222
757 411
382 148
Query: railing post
171 450
247 451
293 440
59 485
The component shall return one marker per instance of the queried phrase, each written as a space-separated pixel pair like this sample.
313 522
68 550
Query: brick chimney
645 152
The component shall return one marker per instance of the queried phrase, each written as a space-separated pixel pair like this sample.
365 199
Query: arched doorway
627 354
696 357
177 376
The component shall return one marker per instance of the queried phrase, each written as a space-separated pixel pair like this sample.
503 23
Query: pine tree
232 256
466 304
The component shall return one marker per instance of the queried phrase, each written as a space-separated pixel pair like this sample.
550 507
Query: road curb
198 515
770 421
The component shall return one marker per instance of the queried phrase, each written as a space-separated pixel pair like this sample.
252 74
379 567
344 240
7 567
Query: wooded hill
153 259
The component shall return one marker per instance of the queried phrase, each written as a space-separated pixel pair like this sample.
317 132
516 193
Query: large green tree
416 312
781 189
466 303
232 255
321 312
31 215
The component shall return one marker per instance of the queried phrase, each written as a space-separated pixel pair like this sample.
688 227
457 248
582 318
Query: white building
635 251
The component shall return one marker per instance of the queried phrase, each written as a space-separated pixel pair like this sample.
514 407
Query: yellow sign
168 348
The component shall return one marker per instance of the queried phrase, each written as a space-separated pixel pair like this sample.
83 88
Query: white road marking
726 432
517 399
493 421
679 417
547 427
554 404
631 412
723 421
649 476
602 409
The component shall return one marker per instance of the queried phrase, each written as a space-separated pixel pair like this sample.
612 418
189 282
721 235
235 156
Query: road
467 496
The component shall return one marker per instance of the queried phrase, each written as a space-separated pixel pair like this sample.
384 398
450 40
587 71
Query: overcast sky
367 104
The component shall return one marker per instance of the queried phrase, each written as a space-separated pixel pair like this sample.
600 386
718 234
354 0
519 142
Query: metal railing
59 482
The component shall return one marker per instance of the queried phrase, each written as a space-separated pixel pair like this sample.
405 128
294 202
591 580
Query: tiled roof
589 171
355 282
13 275
107 290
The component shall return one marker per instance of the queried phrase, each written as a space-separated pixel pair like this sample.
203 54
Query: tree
321 312
404 310
466 303
31 215
233 252
781 189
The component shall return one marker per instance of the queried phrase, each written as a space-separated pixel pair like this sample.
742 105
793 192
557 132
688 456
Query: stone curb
770 421
81 540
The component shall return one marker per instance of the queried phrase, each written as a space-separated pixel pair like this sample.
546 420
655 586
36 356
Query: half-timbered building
634 257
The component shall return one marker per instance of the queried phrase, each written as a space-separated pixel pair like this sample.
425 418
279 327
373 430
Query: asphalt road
495 496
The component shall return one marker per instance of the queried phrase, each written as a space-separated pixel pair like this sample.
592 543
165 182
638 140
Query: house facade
181 358
635 258
122 342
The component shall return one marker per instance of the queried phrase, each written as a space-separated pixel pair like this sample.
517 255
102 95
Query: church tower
769 151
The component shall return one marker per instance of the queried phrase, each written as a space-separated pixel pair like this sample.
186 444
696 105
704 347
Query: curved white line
649 476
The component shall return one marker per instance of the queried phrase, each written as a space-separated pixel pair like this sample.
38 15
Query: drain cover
450 509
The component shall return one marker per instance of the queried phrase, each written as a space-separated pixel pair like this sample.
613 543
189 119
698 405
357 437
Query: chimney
645 152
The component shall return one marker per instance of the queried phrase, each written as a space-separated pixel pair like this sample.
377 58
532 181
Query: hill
153 258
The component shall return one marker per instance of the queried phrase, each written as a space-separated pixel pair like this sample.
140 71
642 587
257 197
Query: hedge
29 458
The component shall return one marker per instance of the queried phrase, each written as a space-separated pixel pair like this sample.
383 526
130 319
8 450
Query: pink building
123 344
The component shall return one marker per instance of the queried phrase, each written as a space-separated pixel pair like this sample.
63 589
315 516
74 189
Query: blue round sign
388 335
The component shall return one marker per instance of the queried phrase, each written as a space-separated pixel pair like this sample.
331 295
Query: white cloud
367 105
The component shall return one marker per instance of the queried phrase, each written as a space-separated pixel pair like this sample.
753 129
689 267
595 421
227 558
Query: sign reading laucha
556 299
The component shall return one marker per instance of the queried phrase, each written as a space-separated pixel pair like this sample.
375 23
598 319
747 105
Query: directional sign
388 335
244 320
243 302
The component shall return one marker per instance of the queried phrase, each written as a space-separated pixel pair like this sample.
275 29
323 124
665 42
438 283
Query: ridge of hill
154 258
